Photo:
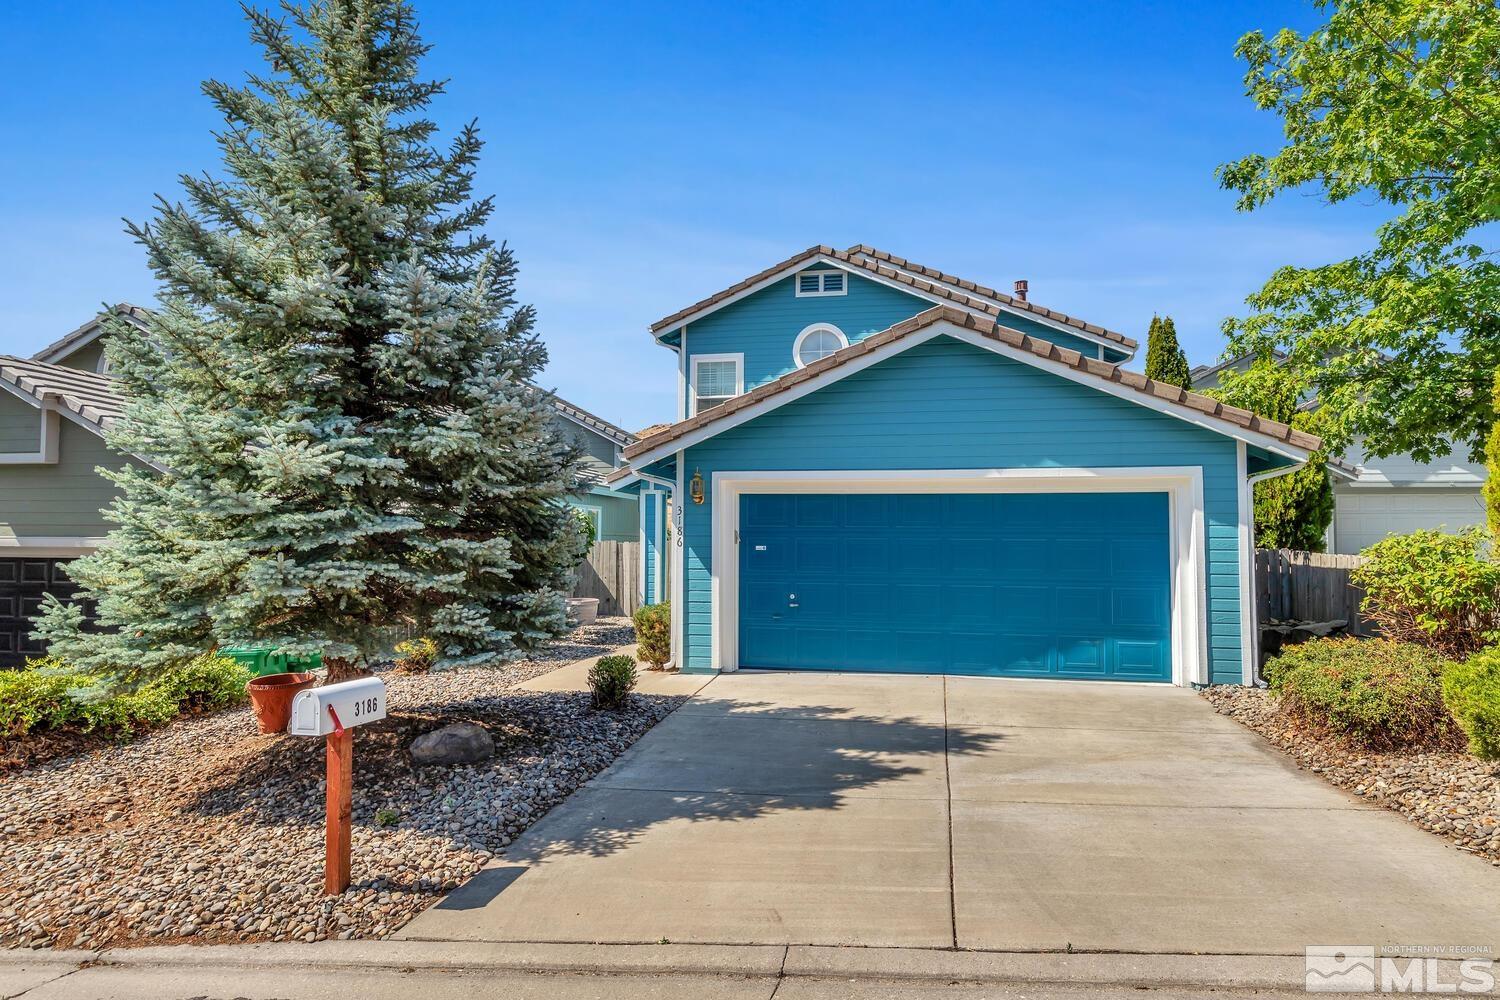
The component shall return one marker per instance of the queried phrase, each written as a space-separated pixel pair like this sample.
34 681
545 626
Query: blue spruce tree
335 394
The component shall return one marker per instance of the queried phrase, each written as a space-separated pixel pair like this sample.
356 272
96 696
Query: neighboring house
54 409
1387 496
879 466
616 515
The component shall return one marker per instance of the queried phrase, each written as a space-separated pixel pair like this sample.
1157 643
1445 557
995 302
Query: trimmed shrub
1471 690
48 694
1380 694
417 655
653 633
1434 589
611 679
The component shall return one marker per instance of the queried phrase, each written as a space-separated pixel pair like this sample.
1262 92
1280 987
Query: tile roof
80 337
93 399
1045 350
966 285
959 291
618 435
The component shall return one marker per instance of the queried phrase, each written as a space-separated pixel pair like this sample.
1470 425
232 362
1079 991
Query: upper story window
822 283
818 341
716 378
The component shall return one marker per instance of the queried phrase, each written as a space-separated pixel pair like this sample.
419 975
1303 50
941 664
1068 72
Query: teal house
879 466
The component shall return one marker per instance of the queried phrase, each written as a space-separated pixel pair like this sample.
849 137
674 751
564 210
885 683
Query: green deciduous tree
1294 510
1396 101
335 391
1165 360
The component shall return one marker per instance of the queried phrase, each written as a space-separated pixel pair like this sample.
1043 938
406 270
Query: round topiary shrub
1433 589
1377 693
1471 690
611 679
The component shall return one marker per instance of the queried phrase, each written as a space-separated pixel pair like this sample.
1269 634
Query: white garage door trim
1182 484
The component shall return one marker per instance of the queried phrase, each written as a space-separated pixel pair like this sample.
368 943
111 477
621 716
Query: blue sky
644 156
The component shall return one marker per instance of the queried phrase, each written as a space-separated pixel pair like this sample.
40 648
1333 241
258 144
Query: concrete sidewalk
575 677
398 970
974 813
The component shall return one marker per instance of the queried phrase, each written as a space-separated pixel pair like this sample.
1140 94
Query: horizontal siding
621 517
764 326
86 358
61 499
595 445
20 425
948 405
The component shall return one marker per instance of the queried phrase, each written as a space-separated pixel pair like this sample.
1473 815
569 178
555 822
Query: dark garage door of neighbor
22 584
1067 585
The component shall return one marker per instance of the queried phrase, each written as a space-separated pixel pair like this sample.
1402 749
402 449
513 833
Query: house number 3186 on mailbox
332 711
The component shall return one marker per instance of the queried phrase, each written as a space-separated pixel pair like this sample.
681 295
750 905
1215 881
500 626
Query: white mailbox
322 710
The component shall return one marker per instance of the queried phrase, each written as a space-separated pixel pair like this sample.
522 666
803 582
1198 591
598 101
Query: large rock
460 743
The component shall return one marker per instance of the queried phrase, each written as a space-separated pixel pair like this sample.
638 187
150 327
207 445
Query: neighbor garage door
23 583
1026 585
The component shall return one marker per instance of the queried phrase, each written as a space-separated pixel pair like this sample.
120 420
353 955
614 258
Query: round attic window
818 341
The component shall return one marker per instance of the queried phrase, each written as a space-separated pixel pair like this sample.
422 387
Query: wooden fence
612 573
1308 587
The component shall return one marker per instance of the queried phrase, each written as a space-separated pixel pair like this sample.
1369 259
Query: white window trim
698 359
1182 484
808 332
598 515
46 447
820 293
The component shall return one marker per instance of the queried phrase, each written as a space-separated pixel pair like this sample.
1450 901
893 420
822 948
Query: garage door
1023 585
23 582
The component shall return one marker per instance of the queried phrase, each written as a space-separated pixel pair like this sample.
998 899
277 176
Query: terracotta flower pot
271 699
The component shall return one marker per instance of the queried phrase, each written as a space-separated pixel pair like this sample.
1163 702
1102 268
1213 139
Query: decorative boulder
460 743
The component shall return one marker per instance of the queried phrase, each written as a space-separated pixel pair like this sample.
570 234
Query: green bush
417 655
653 633
1471 690
49 695
1377 693
611 679
1433 589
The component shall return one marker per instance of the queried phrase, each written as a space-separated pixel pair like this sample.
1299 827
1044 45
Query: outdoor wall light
695 488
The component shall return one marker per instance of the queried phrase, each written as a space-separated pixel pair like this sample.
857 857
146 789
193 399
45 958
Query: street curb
685 959
1147 971
1113 969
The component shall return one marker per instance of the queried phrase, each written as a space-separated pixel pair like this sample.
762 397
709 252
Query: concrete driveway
931 812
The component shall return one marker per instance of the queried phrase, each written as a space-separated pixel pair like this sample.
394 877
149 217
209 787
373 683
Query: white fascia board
944 328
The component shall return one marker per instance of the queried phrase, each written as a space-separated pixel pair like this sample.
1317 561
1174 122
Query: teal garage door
1067 585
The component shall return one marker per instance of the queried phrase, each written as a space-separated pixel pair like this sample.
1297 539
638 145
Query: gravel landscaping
1451 794
206 831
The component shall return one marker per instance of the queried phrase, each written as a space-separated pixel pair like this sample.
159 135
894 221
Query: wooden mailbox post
332 711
